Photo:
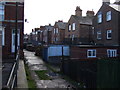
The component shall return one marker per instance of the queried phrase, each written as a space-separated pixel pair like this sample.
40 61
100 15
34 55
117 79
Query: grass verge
31 82
42 75
73 82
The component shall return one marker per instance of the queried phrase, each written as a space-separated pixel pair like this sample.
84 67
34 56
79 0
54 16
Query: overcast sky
43 12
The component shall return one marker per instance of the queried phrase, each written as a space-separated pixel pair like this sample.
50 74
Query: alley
36 64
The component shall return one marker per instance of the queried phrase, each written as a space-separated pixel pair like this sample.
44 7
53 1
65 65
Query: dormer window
108 16
99 17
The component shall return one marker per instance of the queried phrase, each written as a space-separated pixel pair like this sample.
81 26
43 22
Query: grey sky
43 12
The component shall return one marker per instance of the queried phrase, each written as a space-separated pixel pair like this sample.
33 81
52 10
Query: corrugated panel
57 51
66 51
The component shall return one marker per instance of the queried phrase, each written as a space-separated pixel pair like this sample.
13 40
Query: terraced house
105 34
11 18
107 27
58 34
79 28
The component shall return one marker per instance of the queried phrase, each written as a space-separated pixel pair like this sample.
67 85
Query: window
3 37
36 38
69 27
100 17
99 35
91 53
112 53
73 27
108 16
93 30
73 36
1 11
56 30
109 34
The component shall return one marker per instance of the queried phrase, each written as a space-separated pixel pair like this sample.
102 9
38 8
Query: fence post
62 61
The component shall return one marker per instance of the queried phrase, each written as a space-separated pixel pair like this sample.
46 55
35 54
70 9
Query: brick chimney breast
78 11
106 2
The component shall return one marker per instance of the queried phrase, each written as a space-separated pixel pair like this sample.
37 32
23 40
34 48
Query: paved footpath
35 63
22 81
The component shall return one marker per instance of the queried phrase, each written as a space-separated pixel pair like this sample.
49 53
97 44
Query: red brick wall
10 14
81 52
10 11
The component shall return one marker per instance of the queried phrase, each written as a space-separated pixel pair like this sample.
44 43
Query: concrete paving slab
36 63
38 67
22 81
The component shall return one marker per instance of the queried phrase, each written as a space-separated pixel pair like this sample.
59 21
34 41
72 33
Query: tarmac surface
36 64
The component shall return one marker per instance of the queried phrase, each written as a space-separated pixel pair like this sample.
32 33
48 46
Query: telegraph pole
16 29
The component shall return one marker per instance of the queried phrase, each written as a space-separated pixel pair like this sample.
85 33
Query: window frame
2 13
54 31
99 35
112 52
109 32
69 27
93 53
57 31
108 16
2 35
99 17
73 26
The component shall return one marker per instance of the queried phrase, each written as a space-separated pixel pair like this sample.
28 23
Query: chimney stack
117 2
90 13
32 30
60 20
106 2
78 11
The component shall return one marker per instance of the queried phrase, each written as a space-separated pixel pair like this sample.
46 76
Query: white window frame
1 11
93 53
99 17
109 32
112 52
99 35
69 27
93 30
73 26
108 16
57 30
73 36
2 35
54 31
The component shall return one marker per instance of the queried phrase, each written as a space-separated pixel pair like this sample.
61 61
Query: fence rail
12 80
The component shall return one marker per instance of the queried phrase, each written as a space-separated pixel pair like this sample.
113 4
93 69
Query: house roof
48 27
115 6
61 25
83 20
